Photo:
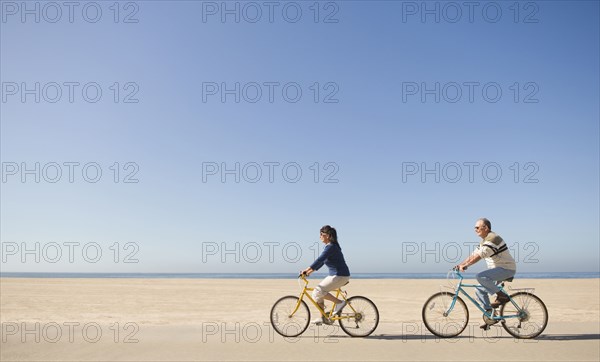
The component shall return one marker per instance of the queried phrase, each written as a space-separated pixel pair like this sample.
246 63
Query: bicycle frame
459 289
339 293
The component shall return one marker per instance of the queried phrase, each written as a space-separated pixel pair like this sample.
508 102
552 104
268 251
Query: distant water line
536 275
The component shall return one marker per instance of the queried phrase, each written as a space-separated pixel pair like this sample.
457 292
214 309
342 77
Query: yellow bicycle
290 315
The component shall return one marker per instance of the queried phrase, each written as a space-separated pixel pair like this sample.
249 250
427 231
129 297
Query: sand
228 320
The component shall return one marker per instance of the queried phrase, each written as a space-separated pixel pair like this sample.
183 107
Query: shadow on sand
409 337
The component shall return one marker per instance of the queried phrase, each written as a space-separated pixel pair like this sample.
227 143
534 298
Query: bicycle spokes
290 316
527 319
360 318
445 315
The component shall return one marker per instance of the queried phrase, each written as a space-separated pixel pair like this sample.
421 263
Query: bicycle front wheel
528 320
440 320
360 317
287 322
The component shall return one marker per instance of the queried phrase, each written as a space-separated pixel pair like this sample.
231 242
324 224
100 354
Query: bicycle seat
508 279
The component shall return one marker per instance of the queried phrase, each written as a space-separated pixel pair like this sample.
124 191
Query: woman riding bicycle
339 274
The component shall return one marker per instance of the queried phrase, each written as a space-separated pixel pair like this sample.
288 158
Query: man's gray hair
486 222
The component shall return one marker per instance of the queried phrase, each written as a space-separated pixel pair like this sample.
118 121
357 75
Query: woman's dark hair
331 232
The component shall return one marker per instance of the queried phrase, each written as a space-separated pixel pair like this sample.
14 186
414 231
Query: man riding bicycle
500 263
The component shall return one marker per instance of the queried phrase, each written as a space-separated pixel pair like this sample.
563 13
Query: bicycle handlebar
303 277
457 272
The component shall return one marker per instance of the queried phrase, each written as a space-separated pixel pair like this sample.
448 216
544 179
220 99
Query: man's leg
482 295
488 280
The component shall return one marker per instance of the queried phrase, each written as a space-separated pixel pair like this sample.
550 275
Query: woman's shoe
319 321
339 307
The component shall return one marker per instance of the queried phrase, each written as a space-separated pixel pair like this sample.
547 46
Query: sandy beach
228 319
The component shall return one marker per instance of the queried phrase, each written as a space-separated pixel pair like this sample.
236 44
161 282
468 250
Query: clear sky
502 96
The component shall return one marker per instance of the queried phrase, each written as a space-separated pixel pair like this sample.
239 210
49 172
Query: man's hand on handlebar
460 268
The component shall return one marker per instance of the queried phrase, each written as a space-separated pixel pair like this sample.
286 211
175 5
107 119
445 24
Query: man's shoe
339 307
485 326
501 298
489 321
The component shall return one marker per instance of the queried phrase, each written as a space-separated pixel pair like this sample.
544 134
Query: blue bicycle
445 314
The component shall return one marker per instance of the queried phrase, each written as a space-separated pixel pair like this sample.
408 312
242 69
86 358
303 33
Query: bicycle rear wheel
284 322
528 320
363 317
439 321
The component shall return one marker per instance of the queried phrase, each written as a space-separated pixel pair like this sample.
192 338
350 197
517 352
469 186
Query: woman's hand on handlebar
307 271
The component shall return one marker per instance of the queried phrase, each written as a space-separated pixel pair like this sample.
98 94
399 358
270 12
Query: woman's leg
320 292
328 284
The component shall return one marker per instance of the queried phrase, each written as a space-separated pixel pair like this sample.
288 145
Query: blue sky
367 61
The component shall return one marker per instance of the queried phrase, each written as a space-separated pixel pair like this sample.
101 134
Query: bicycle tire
282 308
364 318
535 316
434 309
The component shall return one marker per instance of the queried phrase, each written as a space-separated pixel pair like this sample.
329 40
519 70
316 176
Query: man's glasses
478 227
